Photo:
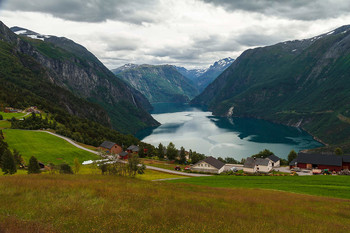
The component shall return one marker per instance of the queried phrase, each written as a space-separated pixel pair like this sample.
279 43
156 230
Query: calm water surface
197 129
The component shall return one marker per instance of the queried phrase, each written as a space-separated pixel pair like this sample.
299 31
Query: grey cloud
296 9
136 11
120 43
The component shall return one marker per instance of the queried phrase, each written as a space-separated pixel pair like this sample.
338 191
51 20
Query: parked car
177 168
316 171
187 168
296 169
234 169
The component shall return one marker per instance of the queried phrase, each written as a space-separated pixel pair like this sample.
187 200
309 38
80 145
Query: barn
320 161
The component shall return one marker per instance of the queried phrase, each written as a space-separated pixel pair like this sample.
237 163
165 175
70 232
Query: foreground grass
17 115
45 147
96 203
332 186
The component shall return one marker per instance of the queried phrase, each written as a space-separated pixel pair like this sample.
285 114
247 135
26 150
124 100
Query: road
147 166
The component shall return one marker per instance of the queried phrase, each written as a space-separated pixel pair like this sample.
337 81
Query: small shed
124 155
133 149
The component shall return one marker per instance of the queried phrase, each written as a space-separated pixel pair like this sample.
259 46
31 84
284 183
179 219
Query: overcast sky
189 33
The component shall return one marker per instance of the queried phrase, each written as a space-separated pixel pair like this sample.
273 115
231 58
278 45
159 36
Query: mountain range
203 77
303 83
159 83
65 75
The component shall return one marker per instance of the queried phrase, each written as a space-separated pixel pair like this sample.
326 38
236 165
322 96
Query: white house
253 165
210 165
276 162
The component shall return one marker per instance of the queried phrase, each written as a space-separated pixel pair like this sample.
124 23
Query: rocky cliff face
302 83
158 83
72 67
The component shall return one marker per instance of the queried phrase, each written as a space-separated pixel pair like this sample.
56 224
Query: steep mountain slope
203 77
302 83
158 83
72 67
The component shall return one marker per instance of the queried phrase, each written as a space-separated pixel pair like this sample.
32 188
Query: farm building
253 165
133 149
320 161
111 147
276 162
124 155
209 165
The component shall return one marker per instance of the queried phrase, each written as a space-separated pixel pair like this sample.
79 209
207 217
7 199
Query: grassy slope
5 124
96 203
10 115
45 147
333 186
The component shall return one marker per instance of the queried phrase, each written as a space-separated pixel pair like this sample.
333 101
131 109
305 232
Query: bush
65 169
33 167
1 117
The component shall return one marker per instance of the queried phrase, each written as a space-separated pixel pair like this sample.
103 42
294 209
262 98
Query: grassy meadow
97 203
17 115
45 147
331 186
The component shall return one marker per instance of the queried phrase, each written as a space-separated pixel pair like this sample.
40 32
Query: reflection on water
196 129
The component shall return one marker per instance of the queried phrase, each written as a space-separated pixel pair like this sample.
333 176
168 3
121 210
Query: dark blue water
197 129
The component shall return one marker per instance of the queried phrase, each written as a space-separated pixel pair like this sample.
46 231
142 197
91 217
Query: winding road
147 166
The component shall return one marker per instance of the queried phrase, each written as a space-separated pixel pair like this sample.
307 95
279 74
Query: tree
160 151
17 157
76 165
263 154
33 167
196 157
1 117
141 151
338 151
8 163
230 160
65 169
171 151
135 166
292 155
182 156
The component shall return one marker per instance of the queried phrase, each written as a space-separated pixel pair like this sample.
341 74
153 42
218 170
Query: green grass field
45 147
5 124
103 203
10 115
331 186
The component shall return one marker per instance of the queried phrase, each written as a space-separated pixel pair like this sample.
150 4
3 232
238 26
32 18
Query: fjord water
197 129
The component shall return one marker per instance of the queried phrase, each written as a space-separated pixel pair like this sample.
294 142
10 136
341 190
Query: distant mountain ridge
72 67
303 83
159 83
203 77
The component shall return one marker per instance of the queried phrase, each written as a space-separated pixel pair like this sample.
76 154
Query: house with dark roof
133 149
253 165
110 147
276 162
209 165
321 161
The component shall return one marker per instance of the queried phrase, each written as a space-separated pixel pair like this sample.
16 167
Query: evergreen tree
182 156
33 167
338 151
1 117
18 157
160 150
141 151
8 163
292 155
171 151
